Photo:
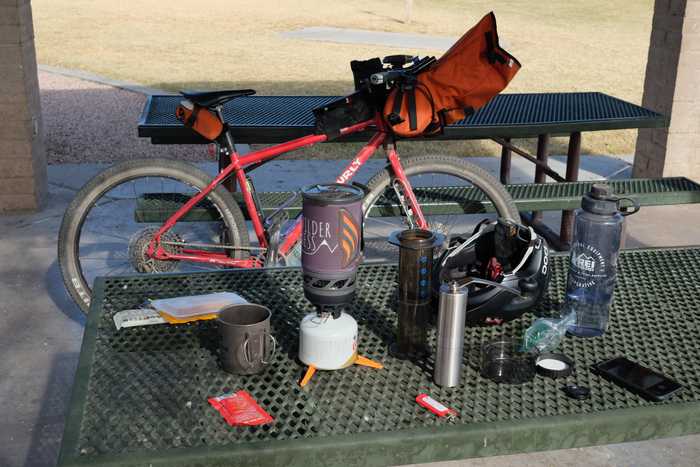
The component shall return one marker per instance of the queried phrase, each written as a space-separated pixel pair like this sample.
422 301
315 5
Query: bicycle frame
237 168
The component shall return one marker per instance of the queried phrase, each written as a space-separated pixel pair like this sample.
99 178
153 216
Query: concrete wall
22 154
672 87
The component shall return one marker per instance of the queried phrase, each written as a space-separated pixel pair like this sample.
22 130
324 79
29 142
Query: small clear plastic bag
545 334
195 307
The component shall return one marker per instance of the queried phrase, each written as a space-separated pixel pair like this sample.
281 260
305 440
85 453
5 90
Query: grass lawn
564 45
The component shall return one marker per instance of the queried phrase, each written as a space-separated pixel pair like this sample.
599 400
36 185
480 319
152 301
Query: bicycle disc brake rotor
138 251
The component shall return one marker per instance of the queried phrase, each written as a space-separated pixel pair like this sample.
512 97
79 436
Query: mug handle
246 353
266 360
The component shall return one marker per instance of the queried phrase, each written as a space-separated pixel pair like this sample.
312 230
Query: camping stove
331 253
327 342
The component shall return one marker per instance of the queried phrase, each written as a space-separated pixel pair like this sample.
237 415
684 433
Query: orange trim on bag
200 119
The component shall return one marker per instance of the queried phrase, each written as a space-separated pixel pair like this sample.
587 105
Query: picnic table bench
275 119
140 394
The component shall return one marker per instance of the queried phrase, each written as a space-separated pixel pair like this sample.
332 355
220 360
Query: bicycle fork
404 191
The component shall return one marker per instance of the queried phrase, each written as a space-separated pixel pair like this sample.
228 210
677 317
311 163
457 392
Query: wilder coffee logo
587 265
318 234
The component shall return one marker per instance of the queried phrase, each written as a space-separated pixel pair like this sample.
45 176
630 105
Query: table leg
540 176
573 161
505 163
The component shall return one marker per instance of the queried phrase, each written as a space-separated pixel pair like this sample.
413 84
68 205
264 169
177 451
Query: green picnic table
140 394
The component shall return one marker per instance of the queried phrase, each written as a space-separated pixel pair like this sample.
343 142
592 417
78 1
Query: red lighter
434 406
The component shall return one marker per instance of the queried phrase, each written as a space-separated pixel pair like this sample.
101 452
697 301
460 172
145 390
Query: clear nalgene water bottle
593 263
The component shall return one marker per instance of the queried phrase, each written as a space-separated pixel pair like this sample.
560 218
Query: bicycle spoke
381 220
110 238
109 234
119 270
449 224
124 259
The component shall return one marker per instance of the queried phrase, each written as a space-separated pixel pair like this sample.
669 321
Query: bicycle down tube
238 165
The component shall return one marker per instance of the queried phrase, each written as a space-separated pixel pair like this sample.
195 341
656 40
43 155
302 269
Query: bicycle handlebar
386 77
390 76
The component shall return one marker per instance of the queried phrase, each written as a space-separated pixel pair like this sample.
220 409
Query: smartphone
634 377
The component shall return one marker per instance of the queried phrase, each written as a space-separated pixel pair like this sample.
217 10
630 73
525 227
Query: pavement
91 119
41 328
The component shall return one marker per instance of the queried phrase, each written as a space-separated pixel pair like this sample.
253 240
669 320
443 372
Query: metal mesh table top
272 119
143 391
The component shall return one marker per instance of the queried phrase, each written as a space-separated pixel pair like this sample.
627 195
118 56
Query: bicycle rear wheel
105 231
425 173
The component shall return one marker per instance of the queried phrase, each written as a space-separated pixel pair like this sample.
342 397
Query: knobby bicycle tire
448 165
102 183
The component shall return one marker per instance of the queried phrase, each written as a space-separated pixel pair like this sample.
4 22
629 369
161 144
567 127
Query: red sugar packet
240 409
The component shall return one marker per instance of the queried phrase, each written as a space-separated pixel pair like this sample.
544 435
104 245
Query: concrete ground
88 121
41 328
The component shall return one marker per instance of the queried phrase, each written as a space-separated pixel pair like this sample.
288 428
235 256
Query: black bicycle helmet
501 252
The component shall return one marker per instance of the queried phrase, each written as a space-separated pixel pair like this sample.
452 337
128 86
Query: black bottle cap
600 200
577 392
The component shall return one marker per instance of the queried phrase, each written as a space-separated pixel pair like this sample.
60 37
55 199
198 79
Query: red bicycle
101 236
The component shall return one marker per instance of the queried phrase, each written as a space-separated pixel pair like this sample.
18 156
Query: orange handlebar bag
463 80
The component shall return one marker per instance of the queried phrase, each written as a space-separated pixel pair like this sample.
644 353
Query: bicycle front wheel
451 192
107 227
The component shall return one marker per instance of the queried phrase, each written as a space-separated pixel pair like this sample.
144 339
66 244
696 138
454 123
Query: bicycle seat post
228 139
225 148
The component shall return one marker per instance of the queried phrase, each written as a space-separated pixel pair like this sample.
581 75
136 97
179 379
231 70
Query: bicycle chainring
138 251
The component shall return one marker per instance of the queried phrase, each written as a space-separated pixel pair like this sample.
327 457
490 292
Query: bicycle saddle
215 98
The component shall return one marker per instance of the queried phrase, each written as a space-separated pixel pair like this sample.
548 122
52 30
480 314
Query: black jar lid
554 365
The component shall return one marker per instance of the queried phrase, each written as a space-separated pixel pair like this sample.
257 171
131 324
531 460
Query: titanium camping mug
246 343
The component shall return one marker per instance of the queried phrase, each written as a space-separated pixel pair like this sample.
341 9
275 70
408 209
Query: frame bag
462 81
343 112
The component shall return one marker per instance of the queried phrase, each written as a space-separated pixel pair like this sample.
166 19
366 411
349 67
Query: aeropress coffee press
417 249
332 249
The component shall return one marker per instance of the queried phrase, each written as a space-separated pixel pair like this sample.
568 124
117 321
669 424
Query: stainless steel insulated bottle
452 311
